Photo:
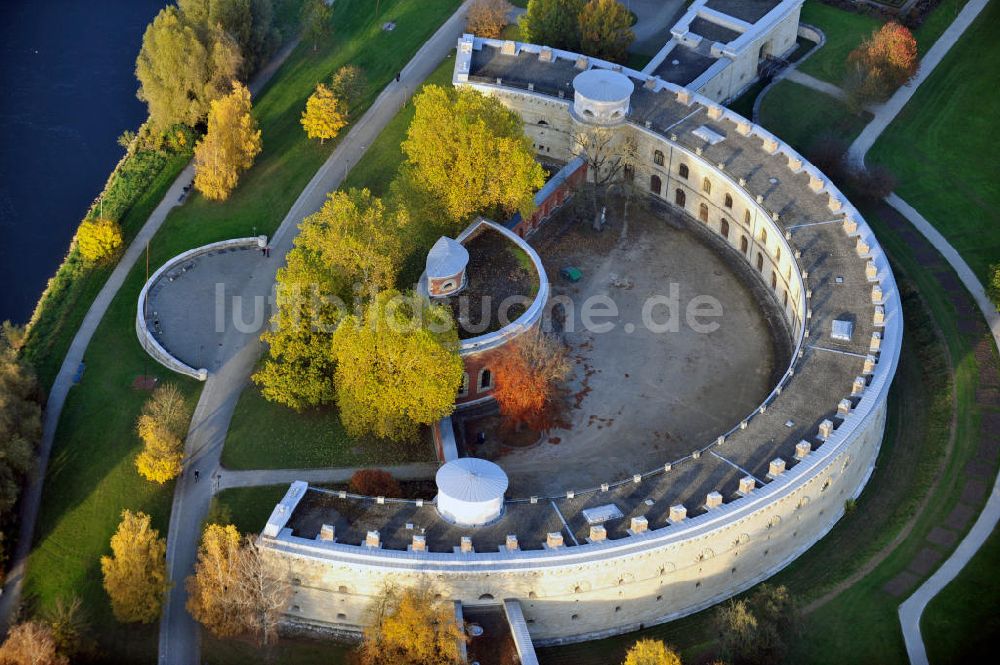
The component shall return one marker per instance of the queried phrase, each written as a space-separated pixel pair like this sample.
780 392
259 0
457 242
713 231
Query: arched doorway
655 184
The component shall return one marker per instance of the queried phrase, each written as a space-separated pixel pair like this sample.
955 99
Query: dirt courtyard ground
641 397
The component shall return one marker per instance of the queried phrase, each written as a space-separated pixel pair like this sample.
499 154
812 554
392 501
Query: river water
67 90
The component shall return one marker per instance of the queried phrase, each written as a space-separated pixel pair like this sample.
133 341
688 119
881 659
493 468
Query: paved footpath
341 474
238 354
31 501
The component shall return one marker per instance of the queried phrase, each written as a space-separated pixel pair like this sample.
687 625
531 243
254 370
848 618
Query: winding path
238 353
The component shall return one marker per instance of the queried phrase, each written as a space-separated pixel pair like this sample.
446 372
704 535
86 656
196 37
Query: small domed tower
601 96
446 265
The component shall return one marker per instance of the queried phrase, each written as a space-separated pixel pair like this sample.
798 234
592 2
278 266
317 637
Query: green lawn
288 651
92 477
246 507
265 435
801 116
844 31
943 146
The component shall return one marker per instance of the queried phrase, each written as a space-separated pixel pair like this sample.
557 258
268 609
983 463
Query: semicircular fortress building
699 528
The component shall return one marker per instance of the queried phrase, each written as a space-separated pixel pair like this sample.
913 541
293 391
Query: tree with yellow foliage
99 239
471 154
229 147
487 18
397 366
651 652
323 118
162 428
135 576
411 628
233 591
31 643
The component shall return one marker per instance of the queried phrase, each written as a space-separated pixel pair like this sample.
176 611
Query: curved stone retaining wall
146 337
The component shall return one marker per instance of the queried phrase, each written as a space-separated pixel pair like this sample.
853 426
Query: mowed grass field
943 147
316 438
803 117
92 475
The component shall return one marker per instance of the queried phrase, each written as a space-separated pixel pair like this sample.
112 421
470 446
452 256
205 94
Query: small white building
446 265
470 491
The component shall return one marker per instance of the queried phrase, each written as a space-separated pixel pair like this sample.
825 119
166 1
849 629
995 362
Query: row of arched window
484 382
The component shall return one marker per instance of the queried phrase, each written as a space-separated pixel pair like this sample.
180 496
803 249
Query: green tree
651 652
470 153
249 23
20 419
553 22
229 147
178 74
753 630
348 85
324 116
605 30
316 25
993 287
135 575
397 366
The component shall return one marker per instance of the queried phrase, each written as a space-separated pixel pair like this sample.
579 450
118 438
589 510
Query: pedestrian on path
397 76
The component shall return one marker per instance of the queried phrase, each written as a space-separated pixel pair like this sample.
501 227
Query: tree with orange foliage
374 482
881 64
411 627
31 643
529 375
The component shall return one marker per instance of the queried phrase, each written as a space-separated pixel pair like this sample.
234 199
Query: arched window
679 197
777 254
542 122
682 171
464 389
706 185
729 200
725 229
703 212
485 380
746 216
744 244
763 236
760 263
658 157
655 184
774 280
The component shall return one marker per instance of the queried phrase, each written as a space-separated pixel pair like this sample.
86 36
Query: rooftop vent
601 514
710 136
842 330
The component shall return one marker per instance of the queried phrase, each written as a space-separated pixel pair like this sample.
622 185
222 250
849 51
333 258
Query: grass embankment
943 146
92 477
802 116
316 438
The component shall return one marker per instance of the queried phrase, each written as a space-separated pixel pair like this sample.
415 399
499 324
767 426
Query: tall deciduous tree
651 652
487 18
162 426
229 147
348 85
324 116
135 575
411 627
233 591
881 64
20 418
31 643
249 23
529 375
753 630
178 74
316 25
605 30
553 22
471 154
99 239
397 366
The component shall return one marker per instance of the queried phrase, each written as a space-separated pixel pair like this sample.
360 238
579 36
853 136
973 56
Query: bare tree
263 593
607 156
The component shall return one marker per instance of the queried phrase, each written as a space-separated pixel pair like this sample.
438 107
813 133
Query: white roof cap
447 258
471 479
603 85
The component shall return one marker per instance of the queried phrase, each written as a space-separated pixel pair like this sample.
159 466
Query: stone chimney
776 468
871 271
638 525
877 294
747 485
598 533
844 408
862 247
373 540
825 429
678 514
466 545
582 62
802 448
850 226
546 54
858 386
878 319
327 532
876 342
869 365
508 48
713 500
815 183
554 540
419 543
511 543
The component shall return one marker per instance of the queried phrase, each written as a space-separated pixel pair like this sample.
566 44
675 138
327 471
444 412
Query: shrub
99 239
993 288
374 482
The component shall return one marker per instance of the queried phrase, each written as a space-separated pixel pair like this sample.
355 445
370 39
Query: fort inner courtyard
658 392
